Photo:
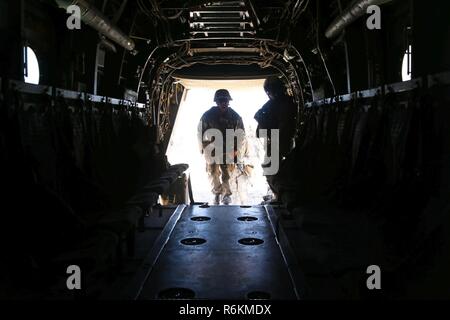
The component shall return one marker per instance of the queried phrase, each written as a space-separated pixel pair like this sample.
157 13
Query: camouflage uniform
278 113
219 173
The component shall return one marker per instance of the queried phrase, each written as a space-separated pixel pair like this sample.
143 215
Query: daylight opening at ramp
248 97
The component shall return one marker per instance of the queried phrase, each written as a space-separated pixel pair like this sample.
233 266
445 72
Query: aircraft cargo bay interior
192 150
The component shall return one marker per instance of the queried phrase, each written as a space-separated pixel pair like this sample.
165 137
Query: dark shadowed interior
90 95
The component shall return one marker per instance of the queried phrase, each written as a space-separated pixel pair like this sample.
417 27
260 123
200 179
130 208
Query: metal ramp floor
217 253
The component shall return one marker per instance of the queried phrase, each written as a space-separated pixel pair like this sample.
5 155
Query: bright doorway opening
248 97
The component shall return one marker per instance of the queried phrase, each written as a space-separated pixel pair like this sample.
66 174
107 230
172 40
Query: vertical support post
347 60
12 34
430 43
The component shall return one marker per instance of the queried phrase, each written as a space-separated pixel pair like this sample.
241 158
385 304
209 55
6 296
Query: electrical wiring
286 11
144 8
327 71
300 10
291 13
316 26
270 54
176 16
306 70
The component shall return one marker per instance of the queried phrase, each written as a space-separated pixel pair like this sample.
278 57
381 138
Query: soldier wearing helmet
221 117
274 87
278 113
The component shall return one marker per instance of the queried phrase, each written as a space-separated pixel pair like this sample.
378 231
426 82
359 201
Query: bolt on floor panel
220 252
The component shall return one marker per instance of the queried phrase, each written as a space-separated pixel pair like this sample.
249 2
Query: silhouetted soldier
279 113
220 118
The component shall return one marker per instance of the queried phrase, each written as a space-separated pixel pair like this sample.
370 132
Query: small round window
406 65
31 67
